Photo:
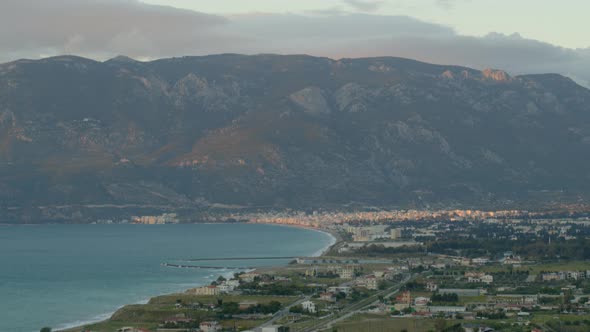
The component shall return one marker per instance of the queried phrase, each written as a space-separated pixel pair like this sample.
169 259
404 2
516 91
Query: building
421 301
553 276
396 234
274 328
228 286
371 283
431 286
177 320
517 299
447 309
486 279
166 218
479 328
480 261
210 327
405 298
345 272
249 277
473 274
329 297
461 292
309 307
225 288
339 289
205 290
361 235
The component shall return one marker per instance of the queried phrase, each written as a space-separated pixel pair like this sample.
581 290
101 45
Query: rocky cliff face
287 131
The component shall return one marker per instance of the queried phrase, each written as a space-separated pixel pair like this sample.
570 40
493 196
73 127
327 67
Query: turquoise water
66 275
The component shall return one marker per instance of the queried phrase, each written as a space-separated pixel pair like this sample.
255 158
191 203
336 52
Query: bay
66 275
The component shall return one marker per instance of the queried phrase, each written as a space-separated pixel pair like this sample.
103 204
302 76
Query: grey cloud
362 35
283 28
104 28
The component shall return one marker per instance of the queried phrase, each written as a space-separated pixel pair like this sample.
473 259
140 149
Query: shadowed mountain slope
281 131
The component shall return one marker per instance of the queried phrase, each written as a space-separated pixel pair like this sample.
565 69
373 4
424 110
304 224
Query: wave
96 319
181 288
328 246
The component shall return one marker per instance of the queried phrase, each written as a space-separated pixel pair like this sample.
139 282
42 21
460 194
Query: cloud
364 5
101 29
364 35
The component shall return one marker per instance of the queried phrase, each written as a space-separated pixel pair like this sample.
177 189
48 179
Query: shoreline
335 237
76 326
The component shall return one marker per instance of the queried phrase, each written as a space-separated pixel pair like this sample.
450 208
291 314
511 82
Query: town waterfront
68 275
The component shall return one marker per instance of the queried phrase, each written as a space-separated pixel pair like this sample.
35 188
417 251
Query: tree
46 329
407 311
297 309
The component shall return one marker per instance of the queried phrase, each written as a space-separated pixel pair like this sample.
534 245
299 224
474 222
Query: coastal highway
357 307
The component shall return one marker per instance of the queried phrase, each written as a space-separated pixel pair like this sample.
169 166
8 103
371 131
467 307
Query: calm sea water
66 275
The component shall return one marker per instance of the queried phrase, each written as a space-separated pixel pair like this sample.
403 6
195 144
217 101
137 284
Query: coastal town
468 271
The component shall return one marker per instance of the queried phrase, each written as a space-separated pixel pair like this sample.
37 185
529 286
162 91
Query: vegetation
444 298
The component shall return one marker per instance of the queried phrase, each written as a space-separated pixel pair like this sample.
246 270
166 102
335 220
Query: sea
62 276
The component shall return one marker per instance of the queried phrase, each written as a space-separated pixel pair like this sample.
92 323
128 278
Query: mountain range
81 139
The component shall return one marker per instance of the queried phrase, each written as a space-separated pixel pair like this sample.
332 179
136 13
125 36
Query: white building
308 306
206 290
431 286
487 279
371 283
225 288
447 309
273 328
346 272
339 289
209 327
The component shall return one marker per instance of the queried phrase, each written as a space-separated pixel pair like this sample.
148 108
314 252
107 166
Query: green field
375 323
159 308
536 268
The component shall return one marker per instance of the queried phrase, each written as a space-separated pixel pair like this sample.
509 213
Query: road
358 306
280 314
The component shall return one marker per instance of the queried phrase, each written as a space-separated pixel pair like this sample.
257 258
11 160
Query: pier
238 259
225 259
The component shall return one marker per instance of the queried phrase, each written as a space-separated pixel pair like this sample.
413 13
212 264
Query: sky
557 22
520 36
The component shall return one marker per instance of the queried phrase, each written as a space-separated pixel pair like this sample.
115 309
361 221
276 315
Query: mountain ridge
284 131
